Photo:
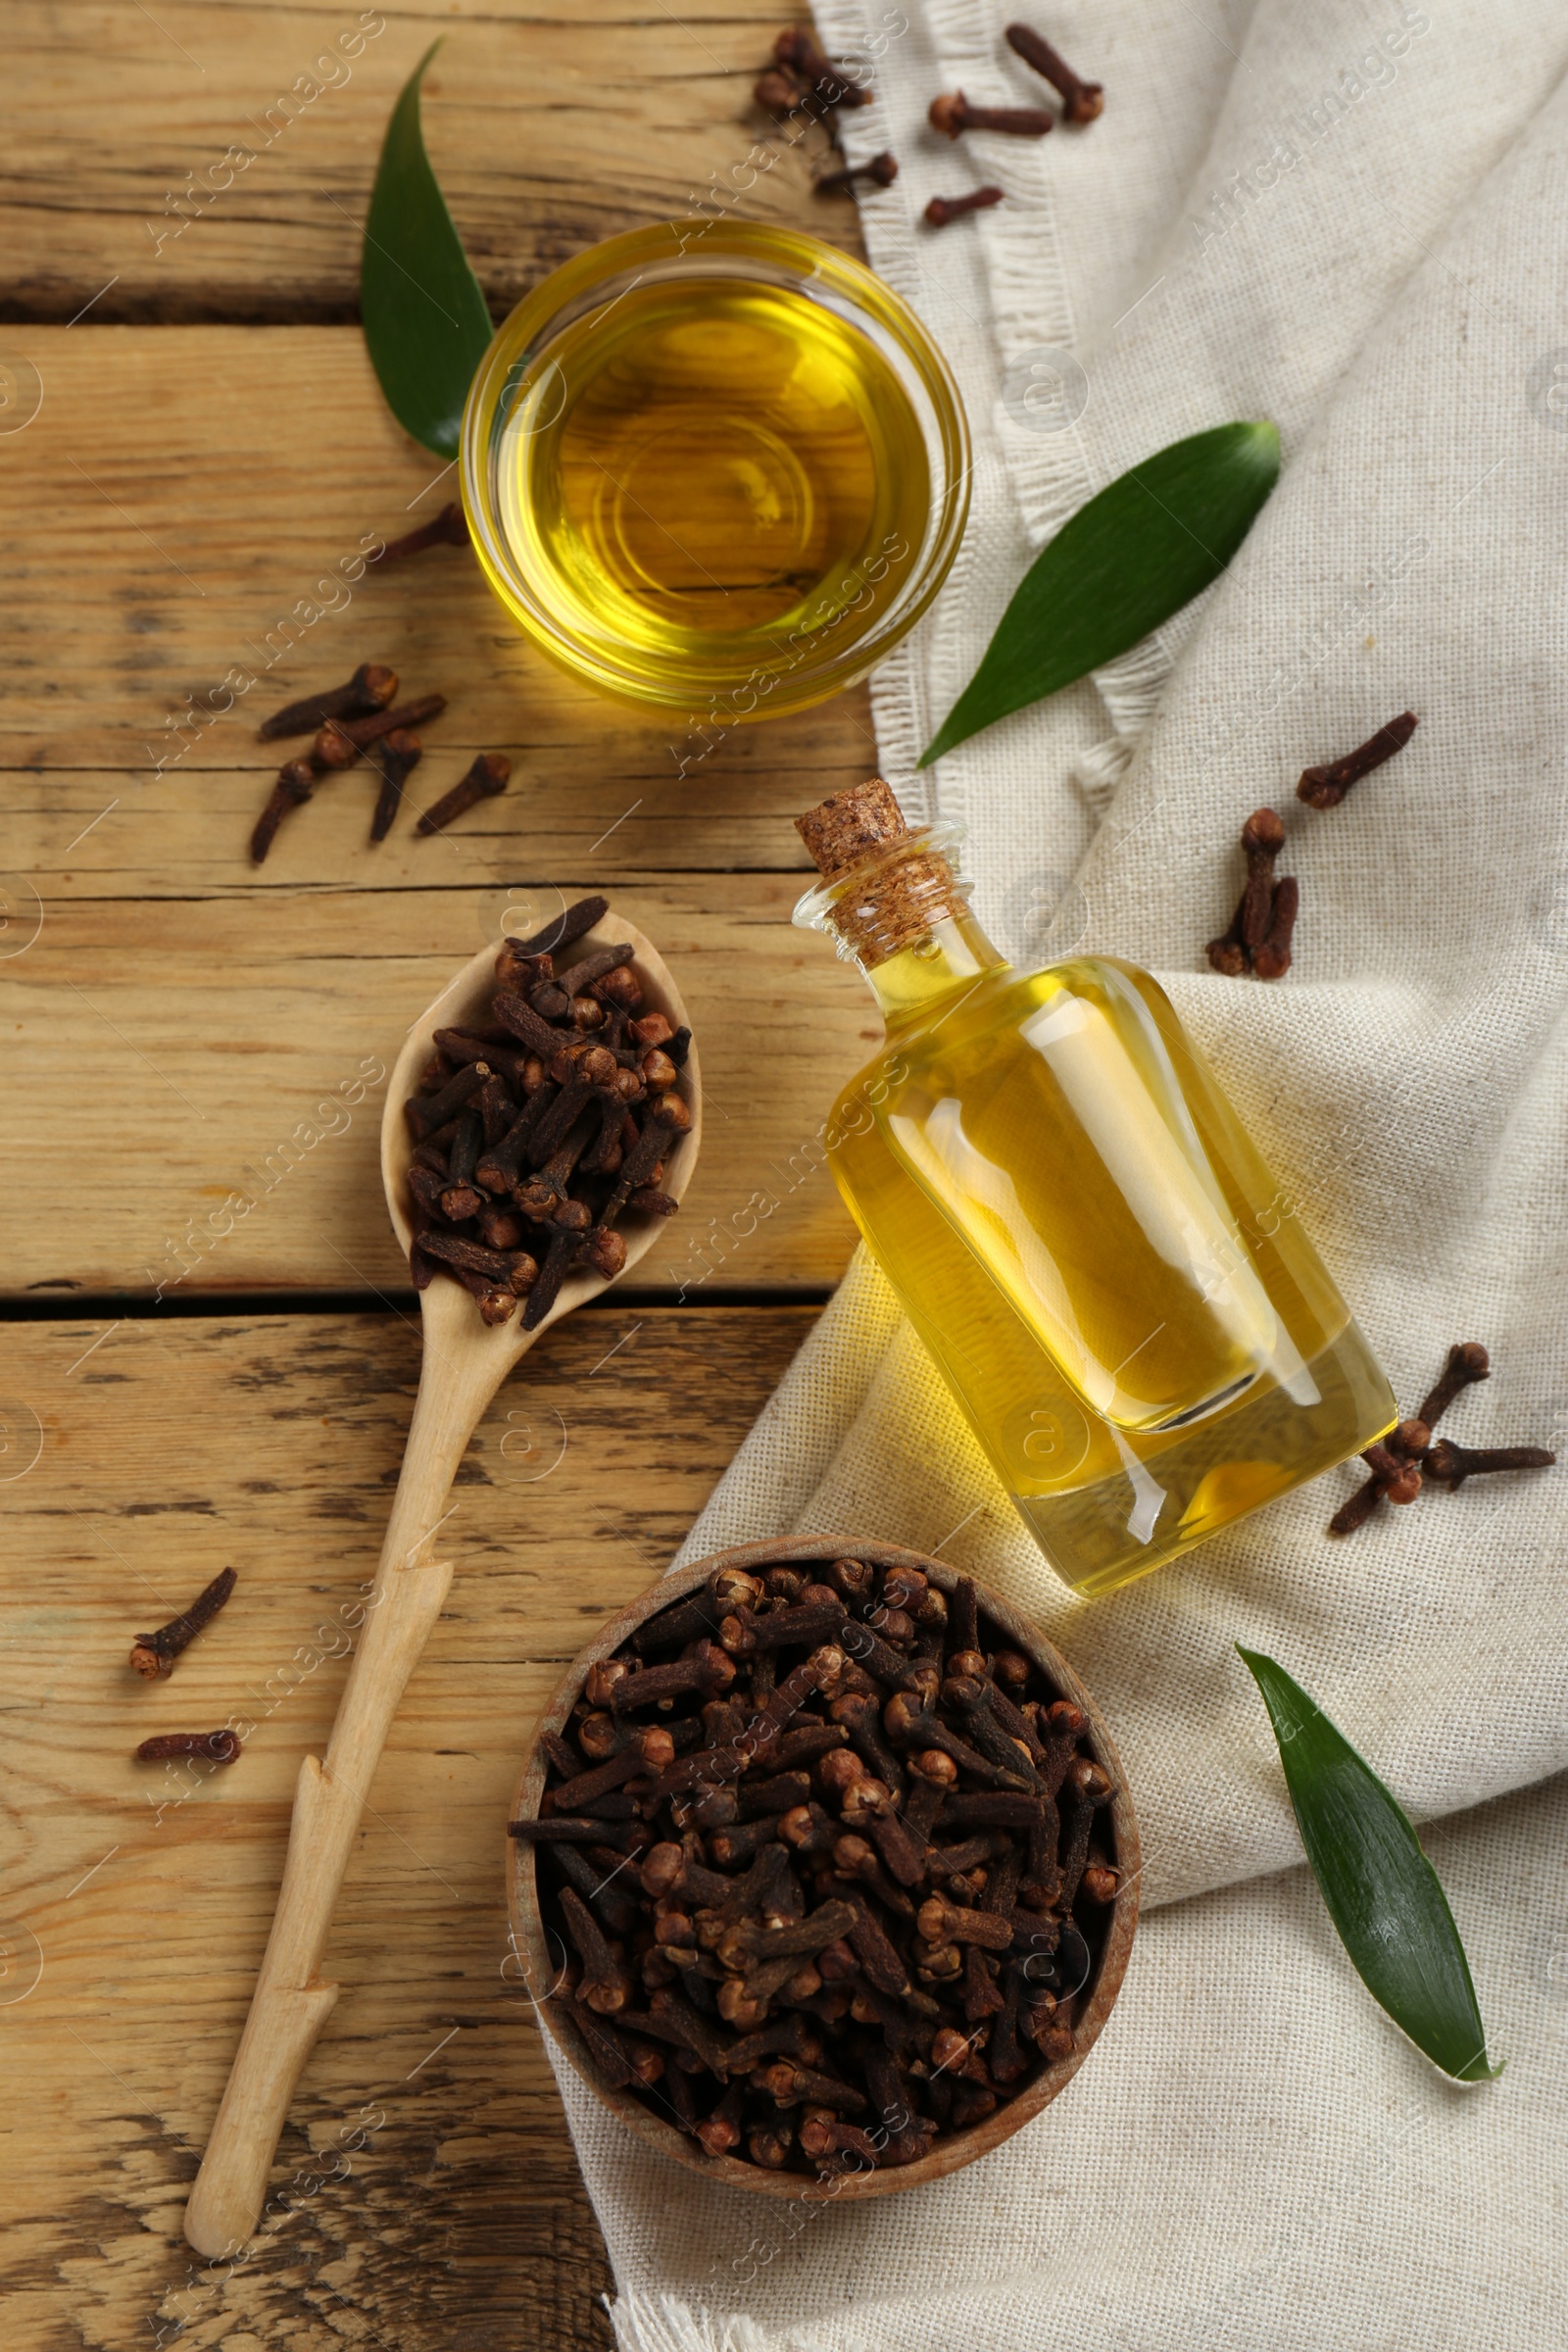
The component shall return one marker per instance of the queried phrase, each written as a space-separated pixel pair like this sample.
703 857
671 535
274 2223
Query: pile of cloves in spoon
535 1132
829 1864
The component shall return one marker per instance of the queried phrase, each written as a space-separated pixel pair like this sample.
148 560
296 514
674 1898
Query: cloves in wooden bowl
822 1870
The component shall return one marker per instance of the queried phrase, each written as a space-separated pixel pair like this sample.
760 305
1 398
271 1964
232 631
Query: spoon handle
292 2001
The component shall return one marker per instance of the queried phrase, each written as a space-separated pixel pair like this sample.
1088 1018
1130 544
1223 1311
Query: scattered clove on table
882 171
294 785
1259 939
943 209
448 528
1326 786
1409 1456
396 757
343 741
869 1888
346 722
535 1132
206 1747
372 688
488 776
800 77
153 1655
1081 101
953 115
360 719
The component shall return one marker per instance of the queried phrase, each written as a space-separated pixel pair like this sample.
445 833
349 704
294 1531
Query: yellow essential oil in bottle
1138 1331
708 465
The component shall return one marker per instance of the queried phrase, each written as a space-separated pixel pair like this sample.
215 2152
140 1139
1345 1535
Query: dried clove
882 171
953 115
448 528
296 782
1256 927
777 92
372 687
801 77
1451 1465
1326 786
397 755
208 1748
1467 1361
825 1934
1271 959
1393 1464
153 1655
1081 101
342 741
488 776
943 209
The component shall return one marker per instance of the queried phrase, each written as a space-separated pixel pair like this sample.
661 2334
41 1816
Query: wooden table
179 1027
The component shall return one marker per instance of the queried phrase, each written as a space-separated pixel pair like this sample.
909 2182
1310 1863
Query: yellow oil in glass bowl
721 479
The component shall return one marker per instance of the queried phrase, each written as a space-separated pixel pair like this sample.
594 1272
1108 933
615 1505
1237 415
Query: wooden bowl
955 2149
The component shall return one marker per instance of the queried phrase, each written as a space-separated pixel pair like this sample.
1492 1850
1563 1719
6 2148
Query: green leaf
1125 562
1382 1894
425 319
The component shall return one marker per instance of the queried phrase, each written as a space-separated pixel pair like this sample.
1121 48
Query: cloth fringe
661 2323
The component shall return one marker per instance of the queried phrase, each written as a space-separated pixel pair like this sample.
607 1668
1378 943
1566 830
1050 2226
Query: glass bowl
688 397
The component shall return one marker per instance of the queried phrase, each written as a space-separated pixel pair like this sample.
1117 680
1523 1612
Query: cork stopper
853 827
900 889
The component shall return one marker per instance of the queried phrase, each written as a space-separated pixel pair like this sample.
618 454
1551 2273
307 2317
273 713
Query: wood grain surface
138 1896
548 127
196 460
215 1063
196 1010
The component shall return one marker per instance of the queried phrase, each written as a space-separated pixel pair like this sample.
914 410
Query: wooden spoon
465 1364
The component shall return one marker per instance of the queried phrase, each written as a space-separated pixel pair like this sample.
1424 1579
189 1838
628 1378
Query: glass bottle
1122 1300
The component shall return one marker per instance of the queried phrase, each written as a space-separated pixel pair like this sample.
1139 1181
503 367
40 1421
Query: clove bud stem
397 755
211 1747
446 529
154 1655
1326 786
943 209
296 782
487 776
882 171
1081 101
370 688
954 114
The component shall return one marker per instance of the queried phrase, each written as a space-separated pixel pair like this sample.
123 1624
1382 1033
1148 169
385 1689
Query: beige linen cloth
1353 219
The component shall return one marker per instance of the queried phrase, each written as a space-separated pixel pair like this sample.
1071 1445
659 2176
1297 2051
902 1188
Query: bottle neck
942 965
902 915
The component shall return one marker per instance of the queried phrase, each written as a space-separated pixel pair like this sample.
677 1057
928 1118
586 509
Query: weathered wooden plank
191 510
124 179
187 1011
195 1084
133 1933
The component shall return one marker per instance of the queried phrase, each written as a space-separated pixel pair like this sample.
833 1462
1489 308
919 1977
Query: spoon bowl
465 1362
450 1317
